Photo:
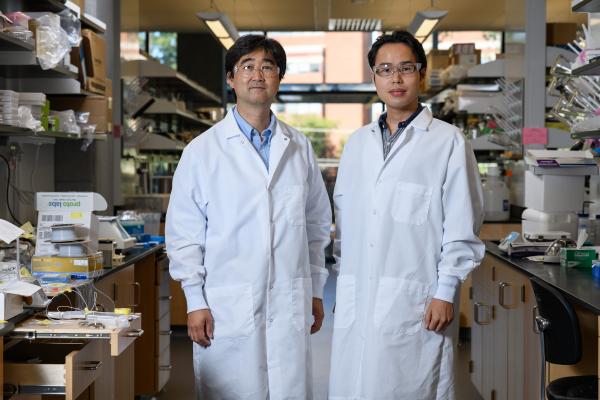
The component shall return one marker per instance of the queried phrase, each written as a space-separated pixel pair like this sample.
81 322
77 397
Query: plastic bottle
583 225
495 196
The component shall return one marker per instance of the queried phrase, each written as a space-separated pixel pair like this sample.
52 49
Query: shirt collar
402 124
248 130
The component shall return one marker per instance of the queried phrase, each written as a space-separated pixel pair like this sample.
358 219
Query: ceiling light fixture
221 27
425 22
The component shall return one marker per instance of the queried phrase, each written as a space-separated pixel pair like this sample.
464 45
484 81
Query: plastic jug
495 196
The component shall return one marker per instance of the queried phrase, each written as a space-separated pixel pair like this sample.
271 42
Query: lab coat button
374 212
371 245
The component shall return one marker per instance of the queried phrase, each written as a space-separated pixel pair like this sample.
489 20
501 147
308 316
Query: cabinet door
118 289
481 330
489 330
532 353
512 299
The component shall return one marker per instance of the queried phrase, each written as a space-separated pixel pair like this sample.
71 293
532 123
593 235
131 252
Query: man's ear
229 79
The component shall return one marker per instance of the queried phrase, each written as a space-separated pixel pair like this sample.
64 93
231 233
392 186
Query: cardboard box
466 59
67 208
75 265
11 305
560 33
97 106
577 258
94 49
437 59
462 48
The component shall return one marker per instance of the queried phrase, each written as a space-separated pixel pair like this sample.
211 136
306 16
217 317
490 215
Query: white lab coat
249 244
403 225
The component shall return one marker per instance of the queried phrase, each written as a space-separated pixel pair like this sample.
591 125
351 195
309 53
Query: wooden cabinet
152 356
504 348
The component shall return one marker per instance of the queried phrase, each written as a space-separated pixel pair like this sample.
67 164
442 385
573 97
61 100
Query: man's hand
200 327
439 314
318 314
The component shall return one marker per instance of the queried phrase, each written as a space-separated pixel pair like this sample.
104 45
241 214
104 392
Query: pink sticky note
535 136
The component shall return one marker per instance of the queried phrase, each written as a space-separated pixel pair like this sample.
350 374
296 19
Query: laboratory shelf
165 107
9 130
592 68
9 43
90 22
585 135
168 81
55 6
580 6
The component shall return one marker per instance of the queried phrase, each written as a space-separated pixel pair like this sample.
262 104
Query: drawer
164 305
164 368
162 268
120 338
50 367
163 327
164 289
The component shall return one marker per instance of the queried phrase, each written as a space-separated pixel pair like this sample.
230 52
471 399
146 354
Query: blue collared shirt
260 141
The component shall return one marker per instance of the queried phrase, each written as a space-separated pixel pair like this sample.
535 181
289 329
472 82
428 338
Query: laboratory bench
505 344
88 363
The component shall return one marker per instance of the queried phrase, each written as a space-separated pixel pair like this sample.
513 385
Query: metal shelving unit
588 6
592 68
9 130
165 107
167 80
9 43
90 22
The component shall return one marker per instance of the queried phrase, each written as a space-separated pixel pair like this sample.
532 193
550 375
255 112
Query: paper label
535 136
9 232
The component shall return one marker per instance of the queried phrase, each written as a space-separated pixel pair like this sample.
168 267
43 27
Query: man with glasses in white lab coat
246 229
408 209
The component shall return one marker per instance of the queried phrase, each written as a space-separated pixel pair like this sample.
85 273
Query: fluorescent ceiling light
221 27
227 42
424 23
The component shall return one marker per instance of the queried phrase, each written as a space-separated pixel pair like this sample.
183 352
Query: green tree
163 47
315 128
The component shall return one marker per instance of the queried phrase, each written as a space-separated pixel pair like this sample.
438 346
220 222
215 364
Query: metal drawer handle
535 313
166 297
165 367
479 310
135 333
91 366
501 297
165 333
137 293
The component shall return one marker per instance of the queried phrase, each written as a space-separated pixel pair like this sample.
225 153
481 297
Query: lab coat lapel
407 140
238 142
279 143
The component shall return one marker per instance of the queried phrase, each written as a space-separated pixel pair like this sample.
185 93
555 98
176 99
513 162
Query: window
489 42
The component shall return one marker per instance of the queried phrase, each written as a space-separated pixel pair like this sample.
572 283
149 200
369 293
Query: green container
577 258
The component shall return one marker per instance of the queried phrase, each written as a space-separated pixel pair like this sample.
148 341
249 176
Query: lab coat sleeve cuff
446 288
194 296
318 283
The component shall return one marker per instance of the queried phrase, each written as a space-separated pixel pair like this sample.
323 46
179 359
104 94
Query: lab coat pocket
399 306
232 308
301 303
345 303
294 204
410 204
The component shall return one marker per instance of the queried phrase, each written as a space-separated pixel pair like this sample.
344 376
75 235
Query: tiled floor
181 384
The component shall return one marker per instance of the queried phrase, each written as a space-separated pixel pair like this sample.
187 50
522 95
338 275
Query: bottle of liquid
495 196
583 226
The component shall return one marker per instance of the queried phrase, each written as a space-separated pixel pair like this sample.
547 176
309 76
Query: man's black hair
399 37
247 44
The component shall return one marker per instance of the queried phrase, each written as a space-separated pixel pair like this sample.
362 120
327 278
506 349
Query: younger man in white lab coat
246 228
408 209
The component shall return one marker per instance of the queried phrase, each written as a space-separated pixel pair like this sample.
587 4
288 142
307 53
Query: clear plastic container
495 196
